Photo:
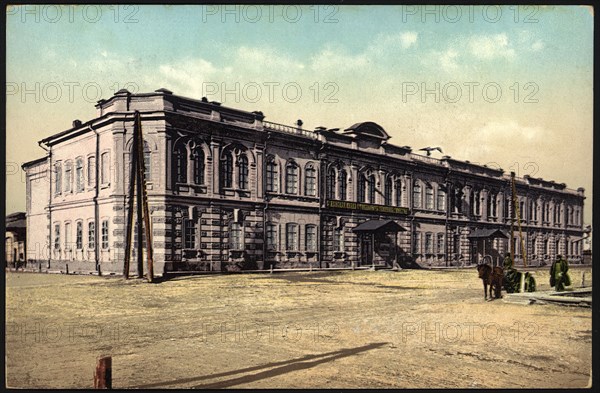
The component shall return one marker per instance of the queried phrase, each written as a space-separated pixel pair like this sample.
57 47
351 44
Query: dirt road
412 329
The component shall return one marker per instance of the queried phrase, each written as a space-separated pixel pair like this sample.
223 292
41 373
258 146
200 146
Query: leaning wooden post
131 192
103 375
144 196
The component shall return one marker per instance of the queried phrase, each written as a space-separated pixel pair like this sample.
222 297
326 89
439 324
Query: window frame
310 234
292 175
104 238
291 237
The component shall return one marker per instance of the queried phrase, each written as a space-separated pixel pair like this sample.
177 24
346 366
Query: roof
368 128
16 220
33 162
487 234
379 226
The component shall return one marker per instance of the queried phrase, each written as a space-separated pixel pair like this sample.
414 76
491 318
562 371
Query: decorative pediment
367 129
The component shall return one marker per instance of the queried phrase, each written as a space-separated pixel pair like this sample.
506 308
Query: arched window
198 165
429 197
416 195
180 167
331 179
291 178
310 184
371 191
388 191
342 184
362 181
398 192
227 170
68 176
243 172
79 174
272 176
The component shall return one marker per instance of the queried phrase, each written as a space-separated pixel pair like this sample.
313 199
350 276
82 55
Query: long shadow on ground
282 367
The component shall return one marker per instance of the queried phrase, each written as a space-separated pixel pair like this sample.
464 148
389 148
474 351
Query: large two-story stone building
229 190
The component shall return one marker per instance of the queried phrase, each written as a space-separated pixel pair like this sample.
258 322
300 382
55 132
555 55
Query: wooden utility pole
129 228
138 177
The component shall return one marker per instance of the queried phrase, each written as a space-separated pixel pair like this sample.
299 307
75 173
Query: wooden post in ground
103 374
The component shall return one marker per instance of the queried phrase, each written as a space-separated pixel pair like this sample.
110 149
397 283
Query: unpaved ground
417 329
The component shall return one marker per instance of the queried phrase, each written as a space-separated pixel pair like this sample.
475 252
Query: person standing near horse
559 278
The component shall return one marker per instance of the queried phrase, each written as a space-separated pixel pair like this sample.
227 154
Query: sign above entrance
367 207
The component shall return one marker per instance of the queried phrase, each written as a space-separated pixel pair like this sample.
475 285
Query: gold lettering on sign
366 207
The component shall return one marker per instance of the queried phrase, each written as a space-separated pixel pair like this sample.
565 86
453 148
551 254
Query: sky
509 86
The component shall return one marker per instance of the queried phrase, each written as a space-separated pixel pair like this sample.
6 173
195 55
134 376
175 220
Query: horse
492 277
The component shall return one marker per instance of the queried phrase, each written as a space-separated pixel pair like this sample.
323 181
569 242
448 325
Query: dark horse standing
492 277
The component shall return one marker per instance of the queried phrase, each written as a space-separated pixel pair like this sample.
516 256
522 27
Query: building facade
15 240
229 190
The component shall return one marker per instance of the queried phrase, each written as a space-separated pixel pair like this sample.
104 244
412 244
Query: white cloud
330 59
408 38
266 60
491 46
447 60
538 45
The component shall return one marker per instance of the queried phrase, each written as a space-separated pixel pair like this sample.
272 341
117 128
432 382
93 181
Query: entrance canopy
375 226
487 234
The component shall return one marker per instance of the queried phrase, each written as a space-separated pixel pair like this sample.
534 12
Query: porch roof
372 226
487 234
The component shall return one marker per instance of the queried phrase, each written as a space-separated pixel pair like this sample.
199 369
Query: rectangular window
338 239
311 238
441 200
190 234
342 177
68 176
272 177
105 168
291 231
271 237
67 236
236 237
440 243
105 234
311 182
429 198
361 188
91 170
79 235
91 235
398 193
388 192
416 195
416 243
57 236
429 243
291 184
79 175
57 179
